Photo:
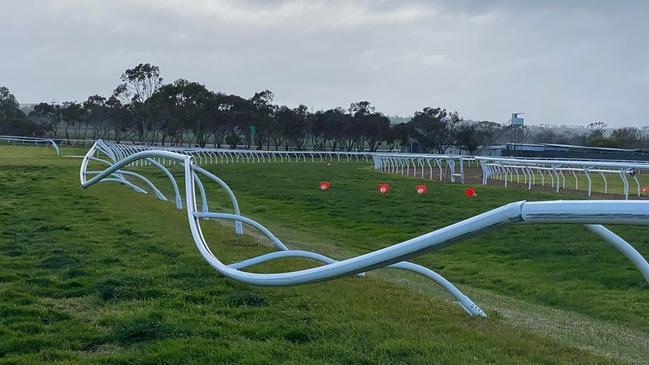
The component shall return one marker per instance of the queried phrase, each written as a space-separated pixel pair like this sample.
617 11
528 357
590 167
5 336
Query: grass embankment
111 276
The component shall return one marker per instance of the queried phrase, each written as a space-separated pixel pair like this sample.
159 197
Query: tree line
143 108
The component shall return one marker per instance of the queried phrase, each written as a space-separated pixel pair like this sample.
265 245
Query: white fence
423 165
541 171
30 140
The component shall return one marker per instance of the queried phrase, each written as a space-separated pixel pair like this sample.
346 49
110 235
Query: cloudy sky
557 61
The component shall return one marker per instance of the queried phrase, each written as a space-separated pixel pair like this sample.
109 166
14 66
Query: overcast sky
557 61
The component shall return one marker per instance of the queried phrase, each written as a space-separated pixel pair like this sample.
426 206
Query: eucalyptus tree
137 85
12 119
333 124
627 137
398 136
96 116
375 129
9 107
226 112
260 120
297 129
278 134
181 107
48 116
72 115
434 129
119 117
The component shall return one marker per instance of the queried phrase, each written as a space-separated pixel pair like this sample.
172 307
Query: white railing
421 165
30 140
590 213
424 166
533 171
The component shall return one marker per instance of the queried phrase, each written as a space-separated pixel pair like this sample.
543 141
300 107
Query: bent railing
590 213
31 140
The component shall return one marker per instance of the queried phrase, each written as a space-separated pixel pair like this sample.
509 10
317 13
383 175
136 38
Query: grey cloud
559 61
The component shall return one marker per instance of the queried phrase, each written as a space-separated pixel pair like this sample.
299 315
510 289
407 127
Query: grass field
110 276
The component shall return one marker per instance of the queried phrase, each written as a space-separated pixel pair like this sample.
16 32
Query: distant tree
182 106
627 137
317 130
281 120
261 116
226 112
358 126
330 126
72 115
48 116
138 85
119 116
488 133
375 130
12 119
398 136
434 129
9 107
298 127
361 108
96 116
466 138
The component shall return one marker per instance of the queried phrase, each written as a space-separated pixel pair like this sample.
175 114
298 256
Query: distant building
546 150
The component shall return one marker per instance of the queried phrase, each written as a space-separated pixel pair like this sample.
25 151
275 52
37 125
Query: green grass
110 276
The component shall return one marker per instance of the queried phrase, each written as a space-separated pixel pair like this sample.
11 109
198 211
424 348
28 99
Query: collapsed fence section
591 213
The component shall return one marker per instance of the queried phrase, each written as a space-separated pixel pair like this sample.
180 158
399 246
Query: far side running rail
31 140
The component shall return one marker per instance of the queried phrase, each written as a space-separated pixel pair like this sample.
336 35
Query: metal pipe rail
215 155
422 164
591 213
503 169
31 140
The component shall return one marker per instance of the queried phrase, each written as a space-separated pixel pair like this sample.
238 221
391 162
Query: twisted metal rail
590 213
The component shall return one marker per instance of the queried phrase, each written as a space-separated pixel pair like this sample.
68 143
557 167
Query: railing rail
504 169
31 140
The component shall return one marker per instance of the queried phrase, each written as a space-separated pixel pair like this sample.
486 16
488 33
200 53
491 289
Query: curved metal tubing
129 184
276 241
577 212
465 302
174 184
155 190
623 246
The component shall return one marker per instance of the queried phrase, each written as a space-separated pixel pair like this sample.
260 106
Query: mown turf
111 276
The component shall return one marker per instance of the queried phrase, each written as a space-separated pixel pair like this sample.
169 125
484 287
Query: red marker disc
470 192
324 185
